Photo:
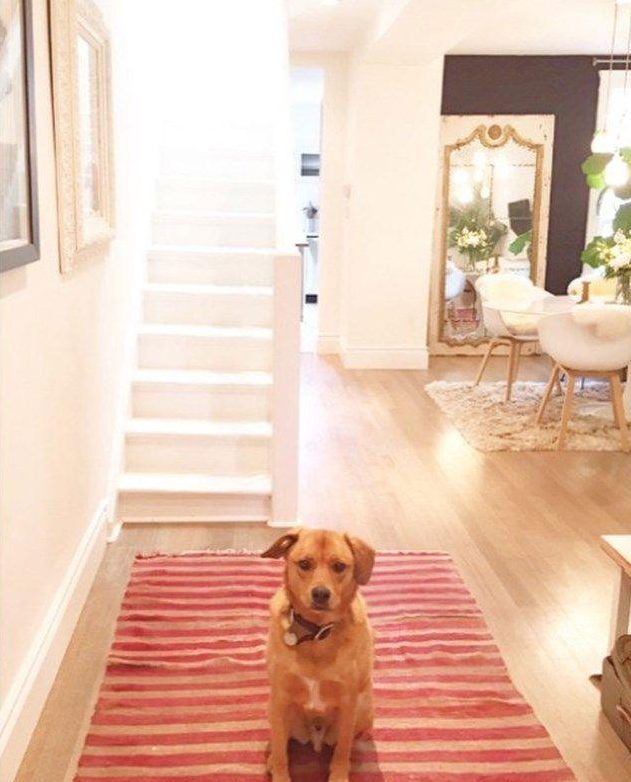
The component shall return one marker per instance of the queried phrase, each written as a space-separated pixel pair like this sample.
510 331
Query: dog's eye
304 564
339 567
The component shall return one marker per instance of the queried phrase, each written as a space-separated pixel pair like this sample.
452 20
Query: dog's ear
364 556
280 548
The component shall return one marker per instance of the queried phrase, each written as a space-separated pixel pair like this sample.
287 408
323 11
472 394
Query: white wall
379 166
65 350
393 168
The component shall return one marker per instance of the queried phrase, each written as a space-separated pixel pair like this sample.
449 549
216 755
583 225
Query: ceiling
413 30
314 26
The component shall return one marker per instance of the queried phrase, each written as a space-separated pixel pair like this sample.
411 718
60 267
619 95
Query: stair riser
209 310
149 507
218 166
161 351
214 196
251 139
196 454
201 402
220 232
211 270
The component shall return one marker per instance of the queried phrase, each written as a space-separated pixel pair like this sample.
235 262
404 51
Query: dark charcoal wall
564 86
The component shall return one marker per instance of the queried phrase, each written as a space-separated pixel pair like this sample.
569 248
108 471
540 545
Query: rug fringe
250 553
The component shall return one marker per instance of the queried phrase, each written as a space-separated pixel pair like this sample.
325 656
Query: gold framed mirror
492 215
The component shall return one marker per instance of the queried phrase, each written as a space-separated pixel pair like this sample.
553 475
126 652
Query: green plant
522 242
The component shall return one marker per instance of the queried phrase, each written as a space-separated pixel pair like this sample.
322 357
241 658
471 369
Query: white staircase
199 444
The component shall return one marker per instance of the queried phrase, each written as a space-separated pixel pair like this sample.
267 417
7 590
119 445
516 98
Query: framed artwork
83 130
19 216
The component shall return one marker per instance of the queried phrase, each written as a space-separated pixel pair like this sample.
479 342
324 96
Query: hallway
377 457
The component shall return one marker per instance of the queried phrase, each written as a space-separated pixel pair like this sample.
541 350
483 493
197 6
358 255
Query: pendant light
617 170
603 141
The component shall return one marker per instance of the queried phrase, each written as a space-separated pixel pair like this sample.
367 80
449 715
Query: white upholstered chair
590 341
505 300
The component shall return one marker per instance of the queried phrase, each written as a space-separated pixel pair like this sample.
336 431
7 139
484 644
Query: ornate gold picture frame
81 66
533 134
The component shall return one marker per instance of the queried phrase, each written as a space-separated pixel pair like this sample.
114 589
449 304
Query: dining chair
591 341
512 328
600 289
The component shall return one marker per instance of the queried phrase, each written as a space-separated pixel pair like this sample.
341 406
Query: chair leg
490 348
619 414
552 382
513 361
567 410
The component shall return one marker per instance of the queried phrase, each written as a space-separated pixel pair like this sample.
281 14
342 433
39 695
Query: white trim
328 344
385 358
26 697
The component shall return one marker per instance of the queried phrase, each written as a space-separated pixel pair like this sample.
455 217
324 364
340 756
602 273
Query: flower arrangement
474 230
613 254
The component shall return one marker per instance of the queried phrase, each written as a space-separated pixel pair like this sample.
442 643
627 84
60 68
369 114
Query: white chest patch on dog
315 701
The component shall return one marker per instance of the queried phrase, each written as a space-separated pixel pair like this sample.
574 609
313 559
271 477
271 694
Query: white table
618 548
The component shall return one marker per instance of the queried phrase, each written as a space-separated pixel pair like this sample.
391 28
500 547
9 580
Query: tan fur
321 691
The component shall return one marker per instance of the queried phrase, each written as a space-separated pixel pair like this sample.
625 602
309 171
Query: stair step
191 446
203 194
220 349
219 163
202 428
211 265
180 483
217 305
225 229
173 497
218 396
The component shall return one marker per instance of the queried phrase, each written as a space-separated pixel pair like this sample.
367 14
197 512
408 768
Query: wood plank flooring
380 460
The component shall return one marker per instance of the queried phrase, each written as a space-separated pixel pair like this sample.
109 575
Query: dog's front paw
338 776
281 777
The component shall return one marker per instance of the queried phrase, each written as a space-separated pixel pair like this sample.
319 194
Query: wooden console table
618 548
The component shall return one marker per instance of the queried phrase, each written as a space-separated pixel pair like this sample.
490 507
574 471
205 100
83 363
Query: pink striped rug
185 690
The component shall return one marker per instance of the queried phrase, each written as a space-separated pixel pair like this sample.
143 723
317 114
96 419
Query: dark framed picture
19 213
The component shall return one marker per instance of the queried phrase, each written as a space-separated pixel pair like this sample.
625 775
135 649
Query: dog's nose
320 594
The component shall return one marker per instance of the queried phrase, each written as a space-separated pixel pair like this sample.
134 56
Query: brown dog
320 648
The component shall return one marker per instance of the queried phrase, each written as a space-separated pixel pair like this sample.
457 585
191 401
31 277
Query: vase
623 289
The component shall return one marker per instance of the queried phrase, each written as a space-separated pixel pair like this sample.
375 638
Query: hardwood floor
379 459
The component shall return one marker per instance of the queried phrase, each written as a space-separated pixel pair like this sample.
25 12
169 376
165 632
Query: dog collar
301 629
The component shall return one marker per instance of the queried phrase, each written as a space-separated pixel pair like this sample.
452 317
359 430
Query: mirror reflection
491 198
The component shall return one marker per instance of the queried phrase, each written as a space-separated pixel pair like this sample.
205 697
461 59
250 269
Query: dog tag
291 639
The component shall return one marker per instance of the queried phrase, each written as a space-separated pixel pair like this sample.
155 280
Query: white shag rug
488 423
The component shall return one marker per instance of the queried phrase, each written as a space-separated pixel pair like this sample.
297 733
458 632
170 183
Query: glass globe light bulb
602 143
616 172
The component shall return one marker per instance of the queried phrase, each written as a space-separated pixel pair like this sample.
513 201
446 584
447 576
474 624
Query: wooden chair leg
554 379
490 348
518 347
618 406
512 365
567 410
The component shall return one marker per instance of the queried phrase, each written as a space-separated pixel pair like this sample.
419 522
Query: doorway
306 92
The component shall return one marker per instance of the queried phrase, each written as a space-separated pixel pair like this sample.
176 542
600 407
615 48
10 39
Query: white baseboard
385 358
26 698
328 344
